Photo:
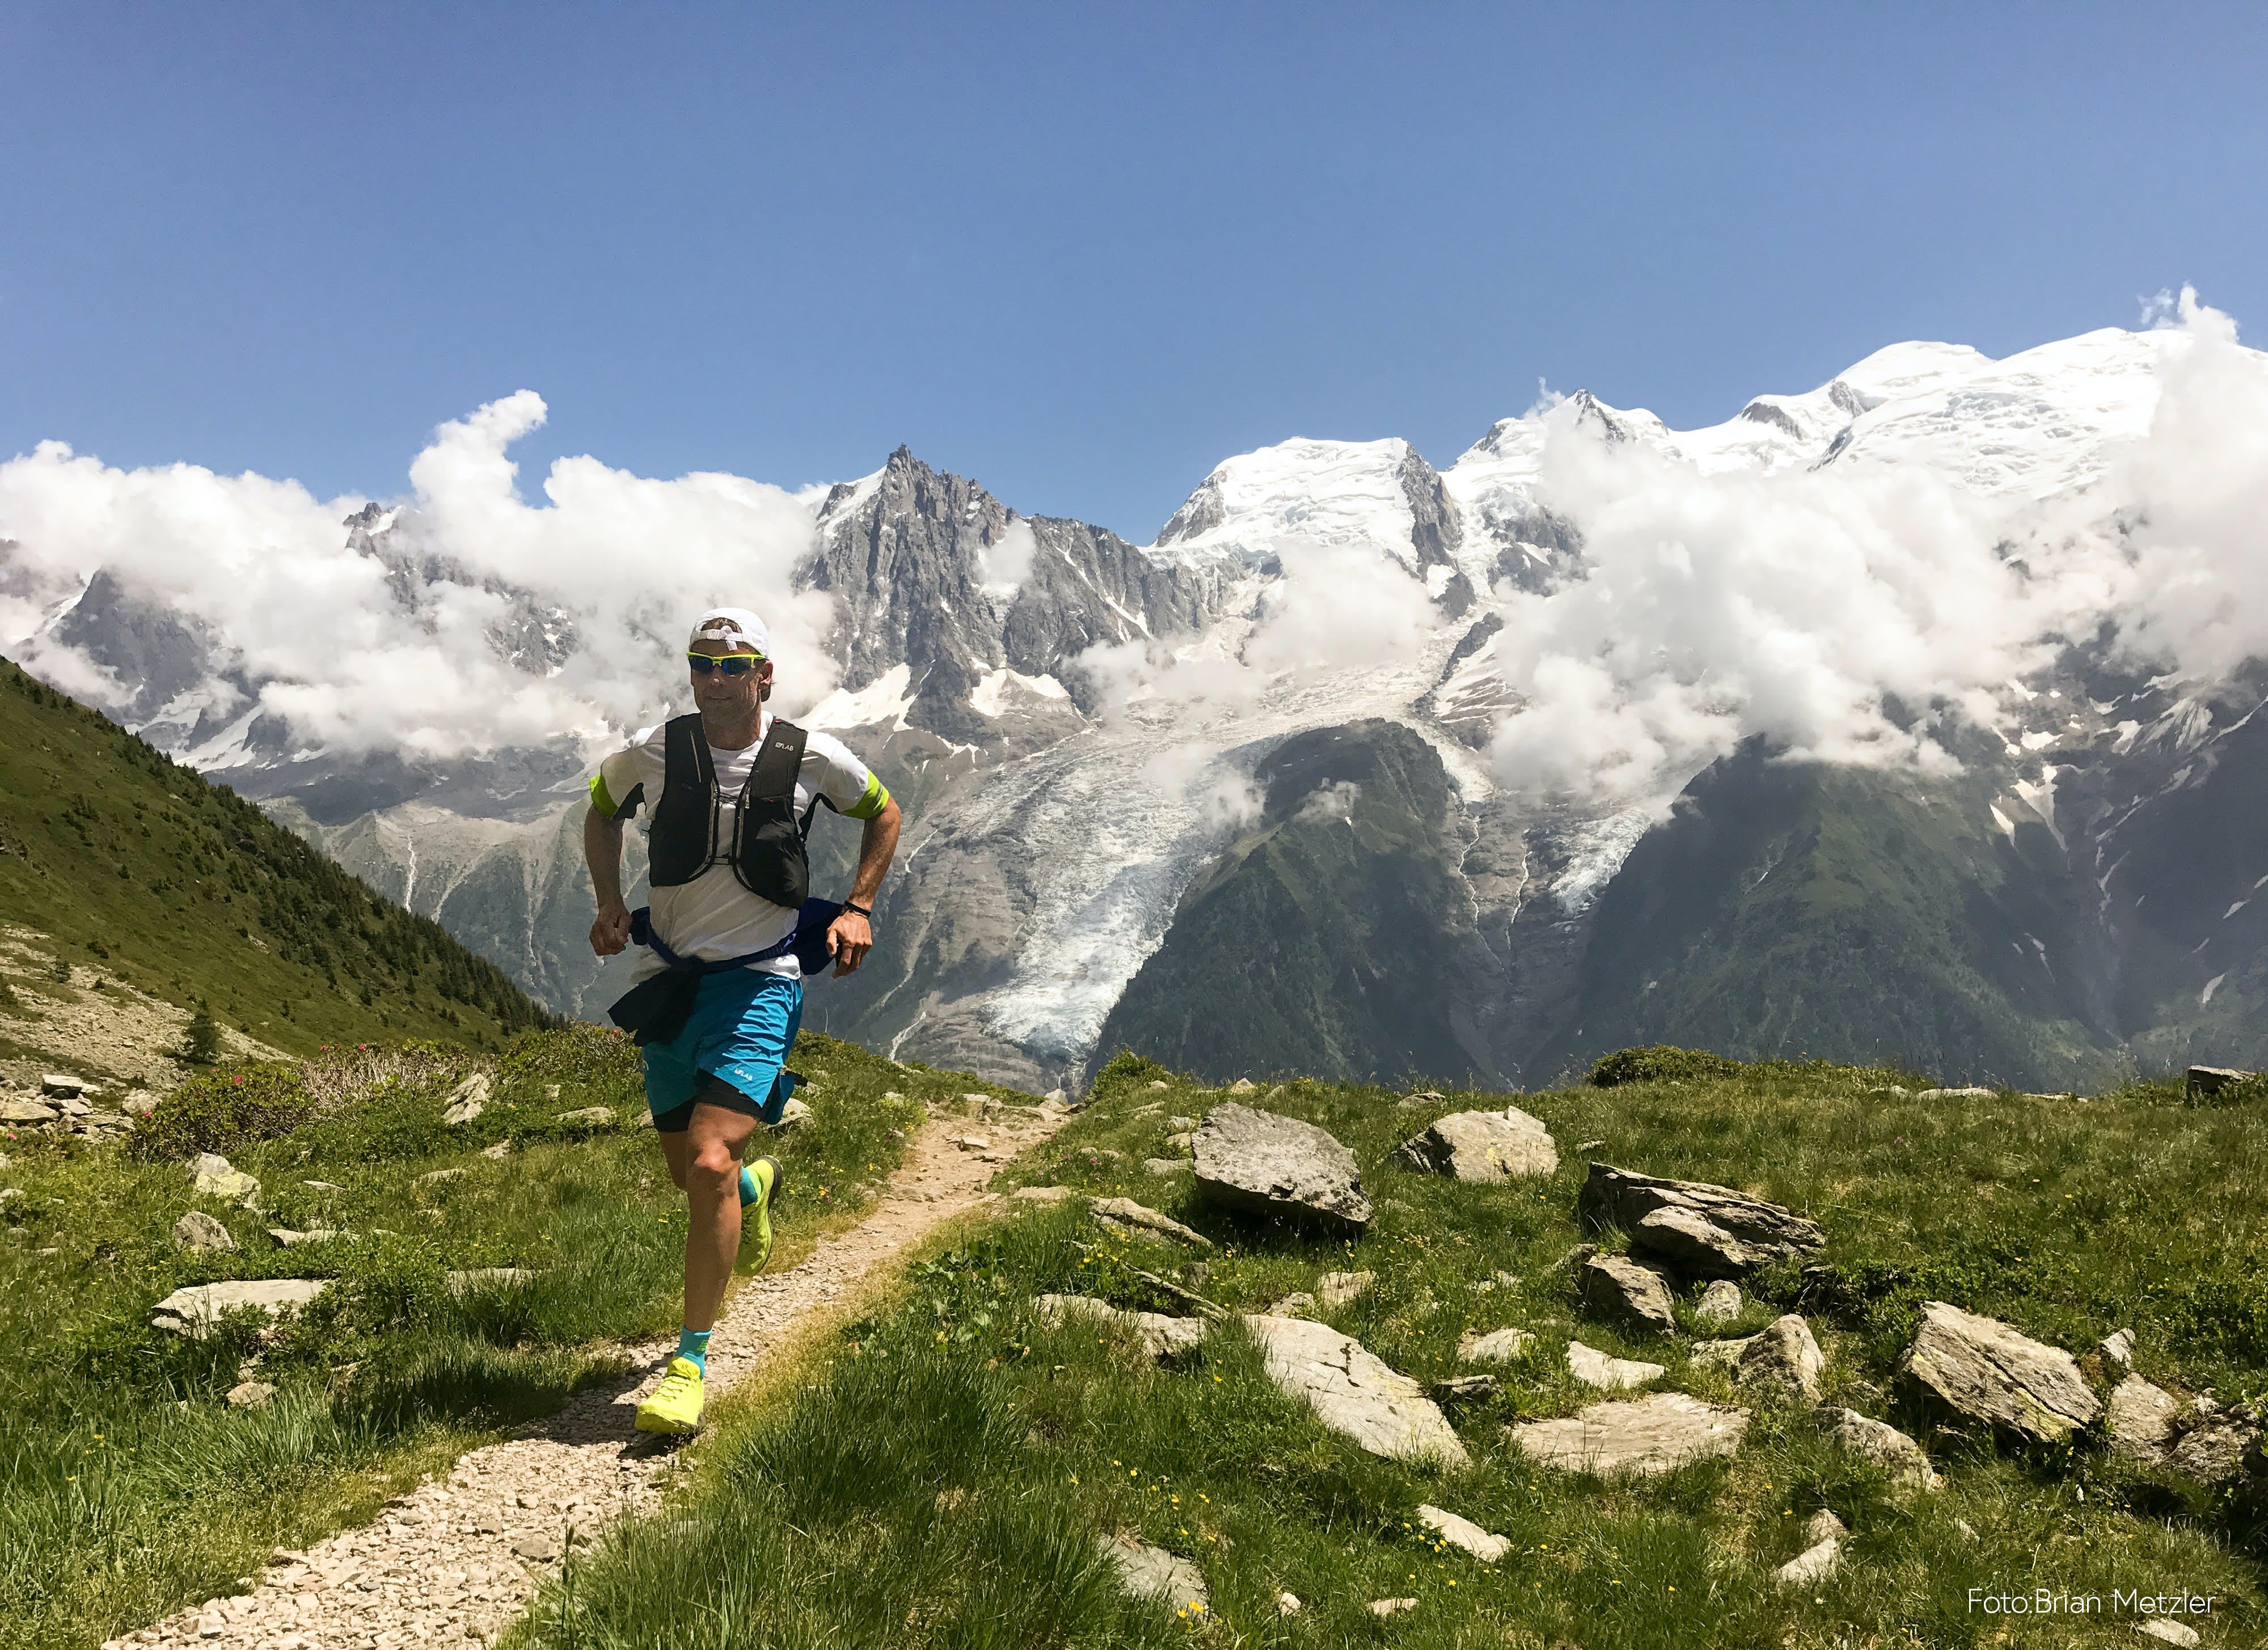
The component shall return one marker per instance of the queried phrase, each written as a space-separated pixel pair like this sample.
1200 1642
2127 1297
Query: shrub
220 1110
200 1041
1660 1063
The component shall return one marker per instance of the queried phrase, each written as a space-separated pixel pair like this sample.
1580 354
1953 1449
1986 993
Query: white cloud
264 564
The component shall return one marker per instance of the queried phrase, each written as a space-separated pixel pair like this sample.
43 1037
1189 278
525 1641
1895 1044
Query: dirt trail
458 1559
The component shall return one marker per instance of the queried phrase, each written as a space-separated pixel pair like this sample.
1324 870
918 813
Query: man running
731 791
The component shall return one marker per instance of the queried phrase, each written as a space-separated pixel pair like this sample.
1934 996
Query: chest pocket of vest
761 840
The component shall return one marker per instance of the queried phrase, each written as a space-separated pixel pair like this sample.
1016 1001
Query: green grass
141 870
132 1489
941 1479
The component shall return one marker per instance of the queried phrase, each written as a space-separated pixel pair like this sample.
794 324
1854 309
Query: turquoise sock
694 1344
748 1193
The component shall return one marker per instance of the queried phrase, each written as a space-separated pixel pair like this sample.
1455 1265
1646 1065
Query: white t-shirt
713 917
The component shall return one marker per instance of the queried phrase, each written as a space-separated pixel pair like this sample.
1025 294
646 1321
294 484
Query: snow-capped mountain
1257 793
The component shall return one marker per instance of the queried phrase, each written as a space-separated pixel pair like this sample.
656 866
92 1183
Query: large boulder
2210 1443
2207 1080
1653 1434
1268 1164
194 1311
1984 1371
1355 1394
1713 1231
1882 1444
1486 1146
1620 1288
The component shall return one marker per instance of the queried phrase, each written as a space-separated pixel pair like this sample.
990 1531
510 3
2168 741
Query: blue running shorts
743 1025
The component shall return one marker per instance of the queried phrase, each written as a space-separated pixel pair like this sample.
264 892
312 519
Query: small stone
2119 1349
1653 1434
970 1142
1595 1368
197 1229
1243 1085
1464 1534
1337 1288
1391 1606
211 1175
250 1395
589 1117
1043 1194
1418 1098
1161 1336
1155 1083
1785 1355
1878 1442
1719 1303
318 1235
499 1151
1620 1288
63 1086
1588 1145
1148 1571
1180 1122
536 1549
1503 1346
1128 1213
1287 1603
466 1100
2167 1632
1814 1565
1471 1389
1970 1092
797 1111
1162 1166
26 1112
320 1186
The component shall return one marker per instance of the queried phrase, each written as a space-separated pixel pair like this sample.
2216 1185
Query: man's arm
851 936
602 852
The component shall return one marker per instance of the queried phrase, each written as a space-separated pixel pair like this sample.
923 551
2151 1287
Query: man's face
729 695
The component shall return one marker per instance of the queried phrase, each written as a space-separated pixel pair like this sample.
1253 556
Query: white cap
736 627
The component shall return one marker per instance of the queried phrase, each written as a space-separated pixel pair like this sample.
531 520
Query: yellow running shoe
675 1405
768 1174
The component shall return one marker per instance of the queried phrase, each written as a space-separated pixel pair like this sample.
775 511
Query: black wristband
861 910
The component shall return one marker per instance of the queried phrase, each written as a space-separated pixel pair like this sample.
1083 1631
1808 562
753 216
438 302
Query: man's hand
612 930
848 938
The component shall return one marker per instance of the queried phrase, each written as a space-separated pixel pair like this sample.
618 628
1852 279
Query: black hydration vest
765 846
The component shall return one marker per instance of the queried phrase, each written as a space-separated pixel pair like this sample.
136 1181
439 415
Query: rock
1056 1096
2119 1349
2167 1632
250 1395
1882 1444
1243 1085
1594 1367
1423 1097
1469 1388
1588 1145
2221 1448
536 1549
1719 1303
1785 1356
62 1086
468 1100
1179 1124
320 1186
1985 1371
26 1112
193 1311
499 1151
1970 1093
211 1175
1816 1563
1287 1603
1147 1572
1483 1146
1183 1141
1298 1305
1464 1534
1163 1165
969 1142
2145 1420
1044 1194
1391 1606
2204 1080
1355 1394
1269 1164
1161 1336
1337 1288
487 1277
1729 1231
1126 1212
1694 1244
1647 1435
1503 1346
797 1111
589 1117
1617 1287
317 1235
197 1229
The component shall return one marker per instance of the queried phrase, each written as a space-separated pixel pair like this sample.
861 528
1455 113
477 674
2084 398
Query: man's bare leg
705 1160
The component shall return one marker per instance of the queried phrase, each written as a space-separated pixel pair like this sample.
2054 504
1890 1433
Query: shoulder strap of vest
686 753
777 764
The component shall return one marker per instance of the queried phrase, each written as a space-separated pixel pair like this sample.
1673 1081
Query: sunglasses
731 663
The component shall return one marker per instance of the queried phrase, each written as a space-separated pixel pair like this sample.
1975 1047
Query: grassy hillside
944 1483
1334 938
142 871
133 1489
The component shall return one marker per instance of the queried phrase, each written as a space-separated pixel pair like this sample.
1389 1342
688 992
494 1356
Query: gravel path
458 1559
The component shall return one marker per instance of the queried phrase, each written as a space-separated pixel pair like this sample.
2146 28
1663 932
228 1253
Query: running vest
765 845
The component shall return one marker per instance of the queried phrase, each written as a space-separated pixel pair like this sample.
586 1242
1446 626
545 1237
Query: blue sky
1079 253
